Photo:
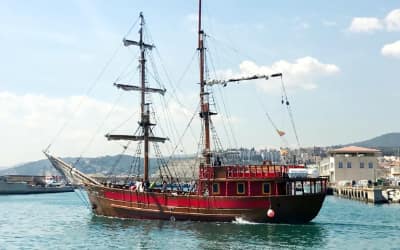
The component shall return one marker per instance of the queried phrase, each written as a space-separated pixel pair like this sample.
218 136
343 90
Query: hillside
390 140
118 164
388 143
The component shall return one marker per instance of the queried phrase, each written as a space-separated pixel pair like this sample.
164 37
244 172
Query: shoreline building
350 163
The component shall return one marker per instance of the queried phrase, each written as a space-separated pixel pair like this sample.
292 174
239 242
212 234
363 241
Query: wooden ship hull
166 206
223 193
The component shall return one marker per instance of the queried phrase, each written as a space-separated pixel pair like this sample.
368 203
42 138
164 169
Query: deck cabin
256 180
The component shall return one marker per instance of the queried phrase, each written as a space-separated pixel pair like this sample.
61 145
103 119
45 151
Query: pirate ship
265 192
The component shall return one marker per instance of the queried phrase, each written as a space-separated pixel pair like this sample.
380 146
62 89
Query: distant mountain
117 164
388 143
390 140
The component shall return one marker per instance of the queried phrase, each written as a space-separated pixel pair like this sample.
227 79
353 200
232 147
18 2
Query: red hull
166 206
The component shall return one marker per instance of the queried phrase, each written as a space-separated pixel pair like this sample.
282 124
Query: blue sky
340 62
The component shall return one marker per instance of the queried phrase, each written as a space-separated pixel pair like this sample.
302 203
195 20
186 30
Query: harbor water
62 221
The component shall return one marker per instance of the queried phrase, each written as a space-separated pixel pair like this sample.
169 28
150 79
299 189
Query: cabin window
361 164
240 188
340 164
266 188
215 188
348 164
370 165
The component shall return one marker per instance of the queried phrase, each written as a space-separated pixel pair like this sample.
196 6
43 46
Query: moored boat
31 185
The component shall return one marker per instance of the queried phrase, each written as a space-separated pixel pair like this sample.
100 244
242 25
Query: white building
350 163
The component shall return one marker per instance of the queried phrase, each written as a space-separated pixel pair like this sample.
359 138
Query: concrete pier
365 194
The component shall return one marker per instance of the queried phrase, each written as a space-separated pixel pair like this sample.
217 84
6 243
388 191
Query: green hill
117 164
390 140
388 143
121 164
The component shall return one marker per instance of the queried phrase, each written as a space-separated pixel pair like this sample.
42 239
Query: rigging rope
280 132
124 122
184 132
111 171
286 102
170 124
217 142
237 51
82 197
173 131
173 94
125 71
88 91
98 128
125 148
163 163
91 87
135 163
226 111
132 26
212 92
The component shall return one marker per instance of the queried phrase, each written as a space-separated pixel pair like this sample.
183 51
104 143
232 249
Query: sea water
63 221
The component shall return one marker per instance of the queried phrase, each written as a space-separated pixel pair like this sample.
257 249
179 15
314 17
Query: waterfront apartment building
350 163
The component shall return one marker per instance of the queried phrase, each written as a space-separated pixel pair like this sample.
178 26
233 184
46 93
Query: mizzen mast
144 123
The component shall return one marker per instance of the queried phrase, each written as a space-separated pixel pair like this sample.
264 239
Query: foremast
146 132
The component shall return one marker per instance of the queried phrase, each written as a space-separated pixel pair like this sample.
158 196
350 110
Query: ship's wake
241 221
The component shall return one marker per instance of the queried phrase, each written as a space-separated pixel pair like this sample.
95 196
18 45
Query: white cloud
391 49
390 23
31 121
302 73
392 20
365 24
370 24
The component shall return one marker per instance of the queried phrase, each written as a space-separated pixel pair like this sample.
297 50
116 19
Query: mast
204 104
145 112
205 112
145 123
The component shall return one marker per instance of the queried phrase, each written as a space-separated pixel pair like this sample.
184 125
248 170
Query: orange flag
280 132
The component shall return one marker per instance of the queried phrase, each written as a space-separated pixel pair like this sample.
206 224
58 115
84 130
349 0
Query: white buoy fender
271 213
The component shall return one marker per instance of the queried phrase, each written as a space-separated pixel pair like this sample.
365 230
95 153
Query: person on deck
140 185
164 186
146 185
217 162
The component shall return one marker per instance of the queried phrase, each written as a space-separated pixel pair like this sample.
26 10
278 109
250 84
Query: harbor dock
365 194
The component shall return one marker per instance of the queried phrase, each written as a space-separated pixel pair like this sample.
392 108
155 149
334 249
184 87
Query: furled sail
72 174
135 138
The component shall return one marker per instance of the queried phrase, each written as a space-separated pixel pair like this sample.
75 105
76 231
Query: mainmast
204 100
144 123
205 112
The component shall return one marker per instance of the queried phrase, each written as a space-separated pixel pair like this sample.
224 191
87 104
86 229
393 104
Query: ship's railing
247 171
270 171
206 172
